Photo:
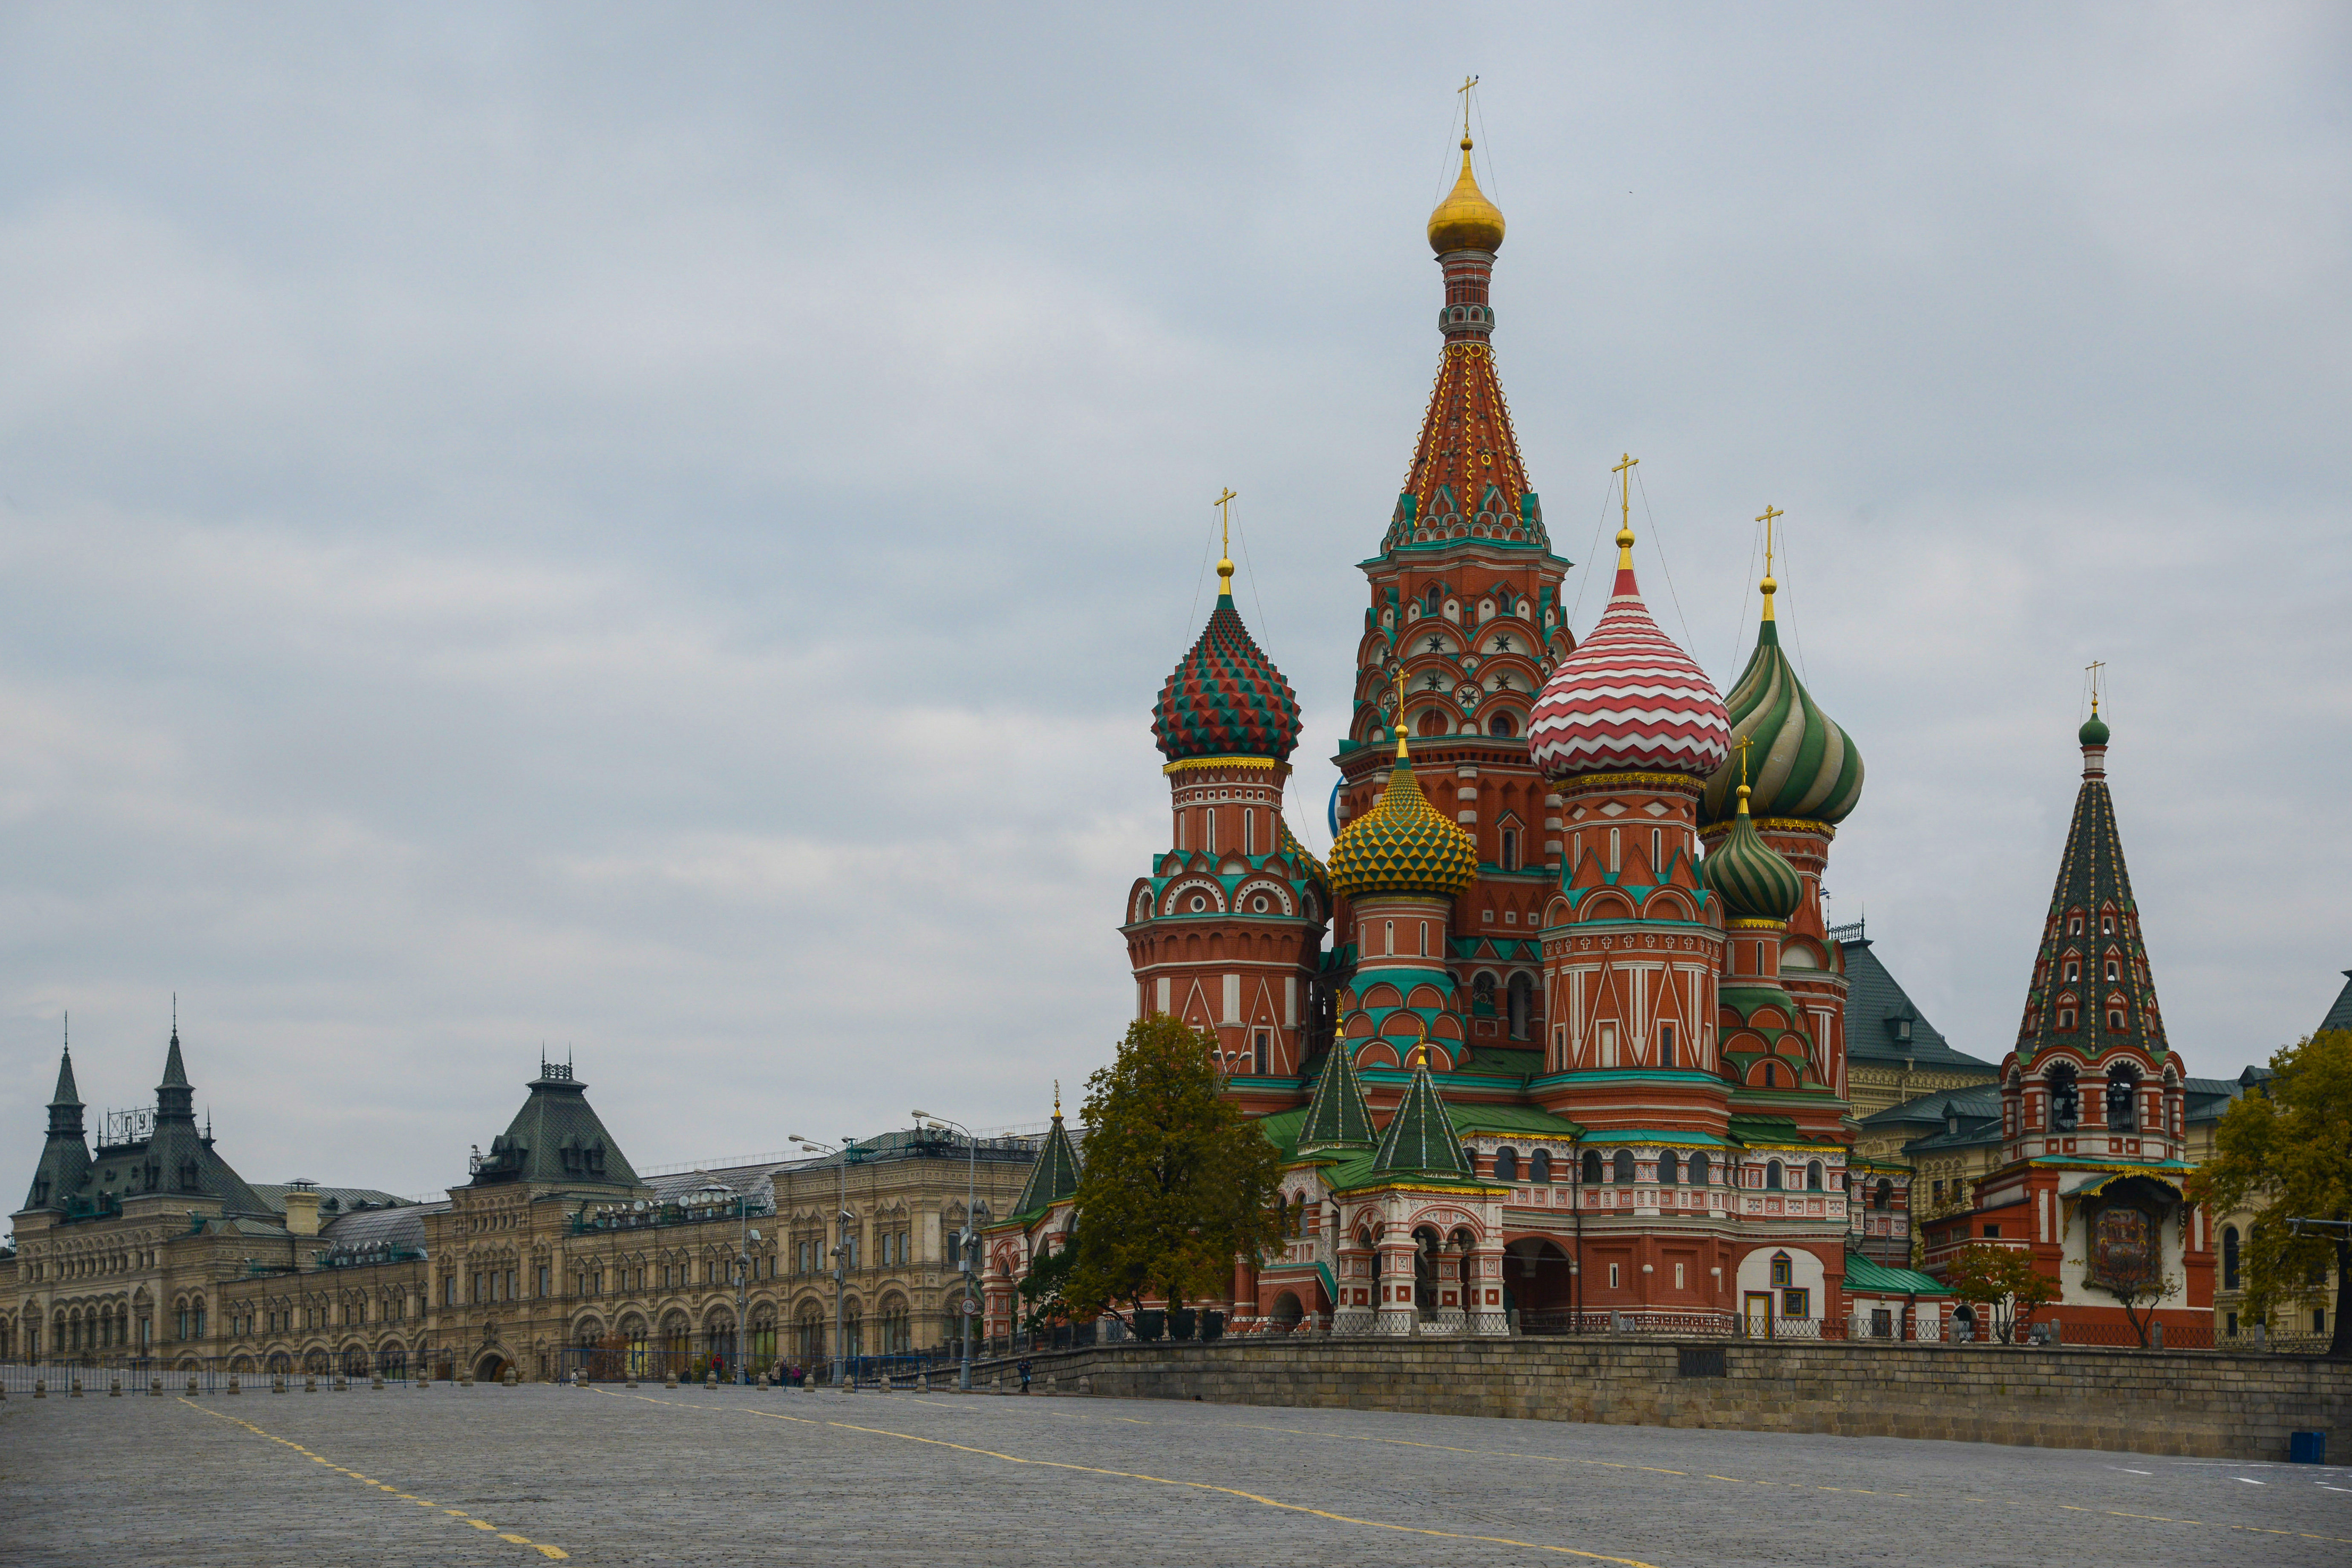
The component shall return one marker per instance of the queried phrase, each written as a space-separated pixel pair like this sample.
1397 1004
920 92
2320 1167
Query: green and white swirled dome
1748 875
1802 765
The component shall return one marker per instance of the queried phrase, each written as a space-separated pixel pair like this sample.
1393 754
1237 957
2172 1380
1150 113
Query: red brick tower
1466 606
1226 932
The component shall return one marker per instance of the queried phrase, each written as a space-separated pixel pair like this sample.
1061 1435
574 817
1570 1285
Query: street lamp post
840 1245
742 1290
968 1237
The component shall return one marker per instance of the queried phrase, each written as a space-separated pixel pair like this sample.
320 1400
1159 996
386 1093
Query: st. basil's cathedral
1558 1036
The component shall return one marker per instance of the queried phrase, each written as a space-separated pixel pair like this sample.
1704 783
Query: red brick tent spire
1465 605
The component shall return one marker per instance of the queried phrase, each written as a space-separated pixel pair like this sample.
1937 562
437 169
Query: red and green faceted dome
1225 699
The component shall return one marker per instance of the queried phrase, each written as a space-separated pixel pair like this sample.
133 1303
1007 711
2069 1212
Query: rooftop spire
1624 472
1768 586
1224 505
67 1093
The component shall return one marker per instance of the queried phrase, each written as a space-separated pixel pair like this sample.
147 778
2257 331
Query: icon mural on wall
2123 1245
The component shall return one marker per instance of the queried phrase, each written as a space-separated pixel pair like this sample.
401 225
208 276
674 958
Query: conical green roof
1403 846
1336 1118
1802 765
1749 875
67 1093
1053 1179
1420 1140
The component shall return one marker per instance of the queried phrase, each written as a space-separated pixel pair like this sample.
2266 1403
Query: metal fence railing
202 1375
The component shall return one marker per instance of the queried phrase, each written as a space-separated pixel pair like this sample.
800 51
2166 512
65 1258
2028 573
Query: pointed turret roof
1337 1119
175 1070
556 1139
67 1093
2340 1015
2093 927
1054 1178
1420 1140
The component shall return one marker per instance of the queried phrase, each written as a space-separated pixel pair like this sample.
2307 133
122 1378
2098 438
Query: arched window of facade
1522 1007
1507 1165
1772 1175
2065 1098
1624 1172
1502 725
1539 1167
1592 1169
1670 1170
1884 1198
2229 1257
1699 1170
1814 1176
2122 1102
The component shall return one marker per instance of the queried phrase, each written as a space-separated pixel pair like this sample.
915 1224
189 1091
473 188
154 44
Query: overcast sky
657 530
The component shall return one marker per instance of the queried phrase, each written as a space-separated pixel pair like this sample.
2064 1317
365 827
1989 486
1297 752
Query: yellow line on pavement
538 1546
1169 1481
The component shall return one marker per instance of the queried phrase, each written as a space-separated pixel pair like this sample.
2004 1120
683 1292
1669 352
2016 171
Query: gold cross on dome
1467 83
1624 471
1224 505
2092 669
1741 746
1770 511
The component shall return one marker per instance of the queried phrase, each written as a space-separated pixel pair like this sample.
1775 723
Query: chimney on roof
302 1209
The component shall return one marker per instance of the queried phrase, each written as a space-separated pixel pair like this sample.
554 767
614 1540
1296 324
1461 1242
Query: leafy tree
2004 1282
2139 1297
1178 1183
2285 1151
1044 1288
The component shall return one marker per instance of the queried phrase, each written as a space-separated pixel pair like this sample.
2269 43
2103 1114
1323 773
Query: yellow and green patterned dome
1403 846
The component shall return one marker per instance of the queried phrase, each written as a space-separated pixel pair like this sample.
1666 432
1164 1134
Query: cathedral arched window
1504 725
2123 1101
1812 1175
1701 1173
1511 860
1883 1197
1772 1175
2229 1257
1592 1169
1507 1165
1670 1172
1520 1003
2065 1098
1539 1167
1622 1172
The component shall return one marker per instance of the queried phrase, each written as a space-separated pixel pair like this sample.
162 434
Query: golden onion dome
1465 219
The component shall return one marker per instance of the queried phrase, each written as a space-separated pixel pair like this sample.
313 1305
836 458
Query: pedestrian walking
1024 1374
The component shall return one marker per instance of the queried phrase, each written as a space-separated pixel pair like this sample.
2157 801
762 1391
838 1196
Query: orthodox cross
1224 505
1770 511
2092 669
1624 471
1467 83
1741 746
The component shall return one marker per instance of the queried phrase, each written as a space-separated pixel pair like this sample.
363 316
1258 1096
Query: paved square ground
511 1477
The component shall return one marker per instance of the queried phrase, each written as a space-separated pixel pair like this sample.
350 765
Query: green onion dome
1803 766
1224 698
1403 846
2095 732
1749 875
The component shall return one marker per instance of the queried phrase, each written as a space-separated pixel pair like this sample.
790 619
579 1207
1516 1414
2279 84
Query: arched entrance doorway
490 1367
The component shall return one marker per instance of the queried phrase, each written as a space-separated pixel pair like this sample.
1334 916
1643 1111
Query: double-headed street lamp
967 1238
841 1243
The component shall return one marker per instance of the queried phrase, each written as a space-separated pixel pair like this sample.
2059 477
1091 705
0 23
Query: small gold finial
1403 755
1624 472
1770 586
1741 745
1465 219
1224 505
1058 1100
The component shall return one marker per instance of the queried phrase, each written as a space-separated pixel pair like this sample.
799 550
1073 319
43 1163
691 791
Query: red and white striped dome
1628 699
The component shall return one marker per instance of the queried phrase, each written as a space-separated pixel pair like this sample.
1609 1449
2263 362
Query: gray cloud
659 536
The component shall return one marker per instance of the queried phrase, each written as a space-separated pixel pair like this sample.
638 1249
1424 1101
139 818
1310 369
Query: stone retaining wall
2217 1406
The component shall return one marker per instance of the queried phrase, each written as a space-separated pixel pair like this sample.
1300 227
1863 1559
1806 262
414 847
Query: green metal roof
1420 1140
1524 1118
1336 1118
1862 1274
1055 1177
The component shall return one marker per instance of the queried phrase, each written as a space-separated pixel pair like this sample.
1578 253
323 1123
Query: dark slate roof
2340 1015
757 1183
332 1201
556 1139
1927 1109
401 1227
1053 1179
1873 1000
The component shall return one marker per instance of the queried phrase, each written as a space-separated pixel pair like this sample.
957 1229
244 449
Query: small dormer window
2074 926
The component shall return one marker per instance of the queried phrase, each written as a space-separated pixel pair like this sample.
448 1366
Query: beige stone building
555 1252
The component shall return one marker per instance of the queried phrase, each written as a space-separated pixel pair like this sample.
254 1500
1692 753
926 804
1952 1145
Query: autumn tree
1177 1182
2285 1150
2003 1282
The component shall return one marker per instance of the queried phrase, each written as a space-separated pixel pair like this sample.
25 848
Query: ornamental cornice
1680 782
1771 824
1184 764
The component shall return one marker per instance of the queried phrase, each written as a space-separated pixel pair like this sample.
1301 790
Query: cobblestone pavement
512 1476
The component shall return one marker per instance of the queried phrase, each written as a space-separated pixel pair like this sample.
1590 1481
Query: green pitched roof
1862 1274
1336 1118
1053 1179
1420 1139
1521 1118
